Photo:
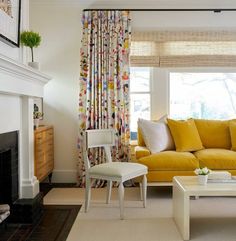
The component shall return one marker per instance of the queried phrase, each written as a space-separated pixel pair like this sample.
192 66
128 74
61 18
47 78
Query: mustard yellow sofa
217 153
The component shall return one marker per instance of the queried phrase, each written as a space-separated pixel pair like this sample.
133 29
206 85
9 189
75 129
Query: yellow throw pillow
214 133
232 129
185 135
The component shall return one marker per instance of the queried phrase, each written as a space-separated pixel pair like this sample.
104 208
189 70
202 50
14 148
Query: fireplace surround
19 85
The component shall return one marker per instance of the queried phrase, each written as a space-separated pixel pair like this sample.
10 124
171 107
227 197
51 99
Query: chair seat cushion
118 170
170 161
217 159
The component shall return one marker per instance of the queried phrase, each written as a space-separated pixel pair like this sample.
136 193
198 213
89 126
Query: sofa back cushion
232 129
185 135
214 133
156 135
140 139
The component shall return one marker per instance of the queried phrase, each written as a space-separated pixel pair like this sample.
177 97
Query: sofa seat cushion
216 159
170 161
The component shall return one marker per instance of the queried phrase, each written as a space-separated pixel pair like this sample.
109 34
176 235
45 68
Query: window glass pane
203 95
140 108
139 79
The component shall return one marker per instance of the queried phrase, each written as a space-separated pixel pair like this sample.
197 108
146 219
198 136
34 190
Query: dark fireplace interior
9 186
24 210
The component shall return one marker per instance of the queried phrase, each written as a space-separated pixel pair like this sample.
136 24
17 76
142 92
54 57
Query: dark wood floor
54 225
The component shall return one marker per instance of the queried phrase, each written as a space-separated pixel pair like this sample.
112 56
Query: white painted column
29 185
160 93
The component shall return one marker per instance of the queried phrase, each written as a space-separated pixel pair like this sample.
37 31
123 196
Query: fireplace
9 178
22 210
19 84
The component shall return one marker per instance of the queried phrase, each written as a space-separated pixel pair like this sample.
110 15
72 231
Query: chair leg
109 187
141 191
87 193
144 187
121 199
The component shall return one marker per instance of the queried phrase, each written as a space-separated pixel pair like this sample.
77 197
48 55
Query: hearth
9 184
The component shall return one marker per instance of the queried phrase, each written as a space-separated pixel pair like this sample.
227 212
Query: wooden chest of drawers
43 152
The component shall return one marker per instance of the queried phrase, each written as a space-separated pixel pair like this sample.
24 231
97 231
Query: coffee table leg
181 210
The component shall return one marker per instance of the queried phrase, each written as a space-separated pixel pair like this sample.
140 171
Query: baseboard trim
64 176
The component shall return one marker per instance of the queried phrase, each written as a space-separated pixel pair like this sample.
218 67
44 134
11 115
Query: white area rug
211 218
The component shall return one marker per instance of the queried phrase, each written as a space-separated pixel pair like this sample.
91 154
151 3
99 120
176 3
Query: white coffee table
184 188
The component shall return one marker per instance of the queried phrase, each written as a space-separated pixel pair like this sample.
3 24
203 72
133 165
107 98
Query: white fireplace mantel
17 78
23 83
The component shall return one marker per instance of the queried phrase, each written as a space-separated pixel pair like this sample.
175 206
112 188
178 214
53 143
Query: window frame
194 70
143 92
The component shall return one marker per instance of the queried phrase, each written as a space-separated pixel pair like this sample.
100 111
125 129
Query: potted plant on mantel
32 40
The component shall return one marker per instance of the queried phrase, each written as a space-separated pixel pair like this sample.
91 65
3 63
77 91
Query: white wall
183 20
59 55
59 25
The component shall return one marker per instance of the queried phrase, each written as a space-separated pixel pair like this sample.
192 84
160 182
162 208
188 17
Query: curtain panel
184 49
104 82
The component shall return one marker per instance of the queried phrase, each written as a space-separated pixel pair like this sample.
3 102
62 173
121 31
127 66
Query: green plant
30 39
37 114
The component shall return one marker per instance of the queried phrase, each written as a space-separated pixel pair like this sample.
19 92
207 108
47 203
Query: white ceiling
165 3
144 3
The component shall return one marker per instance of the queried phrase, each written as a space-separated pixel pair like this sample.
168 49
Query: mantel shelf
17 78
13 67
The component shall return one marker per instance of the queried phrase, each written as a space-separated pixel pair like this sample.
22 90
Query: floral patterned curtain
104 82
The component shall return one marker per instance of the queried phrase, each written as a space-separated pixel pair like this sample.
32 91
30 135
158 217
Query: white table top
190 186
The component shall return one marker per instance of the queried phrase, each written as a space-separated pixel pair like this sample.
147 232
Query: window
202 95
140 97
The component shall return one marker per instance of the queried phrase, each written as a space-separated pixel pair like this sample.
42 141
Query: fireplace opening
9 183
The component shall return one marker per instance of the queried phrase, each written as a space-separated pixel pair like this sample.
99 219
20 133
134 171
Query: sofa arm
141 151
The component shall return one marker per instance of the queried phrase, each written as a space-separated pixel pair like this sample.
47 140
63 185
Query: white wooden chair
110 171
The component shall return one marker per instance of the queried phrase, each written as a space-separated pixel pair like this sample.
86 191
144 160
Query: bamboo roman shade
184 49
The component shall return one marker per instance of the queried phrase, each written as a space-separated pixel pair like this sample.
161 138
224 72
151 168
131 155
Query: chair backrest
98 138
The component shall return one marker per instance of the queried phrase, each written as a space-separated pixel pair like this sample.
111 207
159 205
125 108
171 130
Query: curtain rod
216 10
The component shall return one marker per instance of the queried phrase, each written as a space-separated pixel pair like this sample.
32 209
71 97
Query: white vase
202 179
36 123
34 65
